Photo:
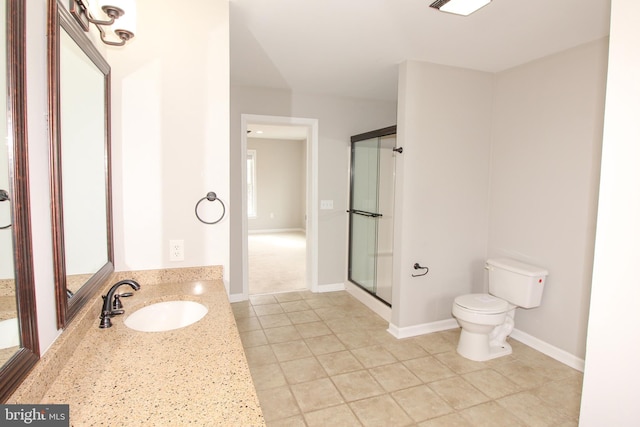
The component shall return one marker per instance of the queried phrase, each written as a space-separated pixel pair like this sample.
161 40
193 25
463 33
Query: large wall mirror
19 349
79 104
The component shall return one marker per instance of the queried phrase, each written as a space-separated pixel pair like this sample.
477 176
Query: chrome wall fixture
212 197
115 12
417 266
4 197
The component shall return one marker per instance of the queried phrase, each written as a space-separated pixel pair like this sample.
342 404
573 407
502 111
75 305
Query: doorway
279 245
371 210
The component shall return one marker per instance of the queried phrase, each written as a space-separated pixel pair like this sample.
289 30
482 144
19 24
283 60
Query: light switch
326 204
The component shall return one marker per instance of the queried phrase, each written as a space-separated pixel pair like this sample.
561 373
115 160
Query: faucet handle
117 304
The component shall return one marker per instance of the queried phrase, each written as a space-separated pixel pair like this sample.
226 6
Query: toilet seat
482 303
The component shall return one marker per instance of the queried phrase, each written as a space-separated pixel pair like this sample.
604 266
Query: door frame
311 275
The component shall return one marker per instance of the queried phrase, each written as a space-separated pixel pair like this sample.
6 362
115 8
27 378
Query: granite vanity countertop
8 307
197 375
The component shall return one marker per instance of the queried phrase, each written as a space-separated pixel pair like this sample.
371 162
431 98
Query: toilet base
477 347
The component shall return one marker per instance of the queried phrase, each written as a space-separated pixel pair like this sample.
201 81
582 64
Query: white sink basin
166 316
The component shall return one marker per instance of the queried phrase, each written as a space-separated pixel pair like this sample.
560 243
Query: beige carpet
277 262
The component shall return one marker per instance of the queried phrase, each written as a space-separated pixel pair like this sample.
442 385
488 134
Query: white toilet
487 319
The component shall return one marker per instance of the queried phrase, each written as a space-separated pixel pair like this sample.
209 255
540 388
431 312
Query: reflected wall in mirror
82 151
79 84
9 332
19 348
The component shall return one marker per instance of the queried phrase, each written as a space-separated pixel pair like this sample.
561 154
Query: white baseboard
421 329
531 341
276 230
321 288
371 302
548 349
238 297
334 287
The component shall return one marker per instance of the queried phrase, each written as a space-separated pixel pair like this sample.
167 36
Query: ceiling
353 47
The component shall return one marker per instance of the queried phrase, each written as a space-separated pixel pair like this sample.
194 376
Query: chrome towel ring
4 197
212 197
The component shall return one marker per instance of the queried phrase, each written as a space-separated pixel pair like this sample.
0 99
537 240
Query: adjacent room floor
277 262
327 360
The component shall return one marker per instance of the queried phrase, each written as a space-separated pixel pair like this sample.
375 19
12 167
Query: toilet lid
484 303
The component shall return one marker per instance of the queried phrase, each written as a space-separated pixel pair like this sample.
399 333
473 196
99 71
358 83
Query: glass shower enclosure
371 209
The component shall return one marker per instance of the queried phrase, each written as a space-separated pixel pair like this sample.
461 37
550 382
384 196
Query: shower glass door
371 212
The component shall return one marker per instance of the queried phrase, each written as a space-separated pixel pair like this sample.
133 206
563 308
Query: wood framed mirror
18 360
79 126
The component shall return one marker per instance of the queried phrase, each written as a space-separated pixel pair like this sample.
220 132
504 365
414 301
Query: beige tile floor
327 360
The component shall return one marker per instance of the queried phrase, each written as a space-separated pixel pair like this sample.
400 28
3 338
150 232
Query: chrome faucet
109 306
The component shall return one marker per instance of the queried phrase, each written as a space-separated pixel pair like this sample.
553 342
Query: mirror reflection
19 346
79 82
9 329
82 128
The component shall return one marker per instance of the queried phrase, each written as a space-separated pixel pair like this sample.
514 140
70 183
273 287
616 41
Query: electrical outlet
176 250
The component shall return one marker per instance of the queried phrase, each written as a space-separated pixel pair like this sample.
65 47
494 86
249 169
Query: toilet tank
519 283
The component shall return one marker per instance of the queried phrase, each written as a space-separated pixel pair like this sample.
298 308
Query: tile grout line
324 317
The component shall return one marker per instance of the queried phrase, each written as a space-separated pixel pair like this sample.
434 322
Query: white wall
40 197
339 119
6 242
545 163
444 127
170 135
184 122
613 350
280 184
500 165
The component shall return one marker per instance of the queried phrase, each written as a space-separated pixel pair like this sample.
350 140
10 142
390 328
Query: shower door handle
364 213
